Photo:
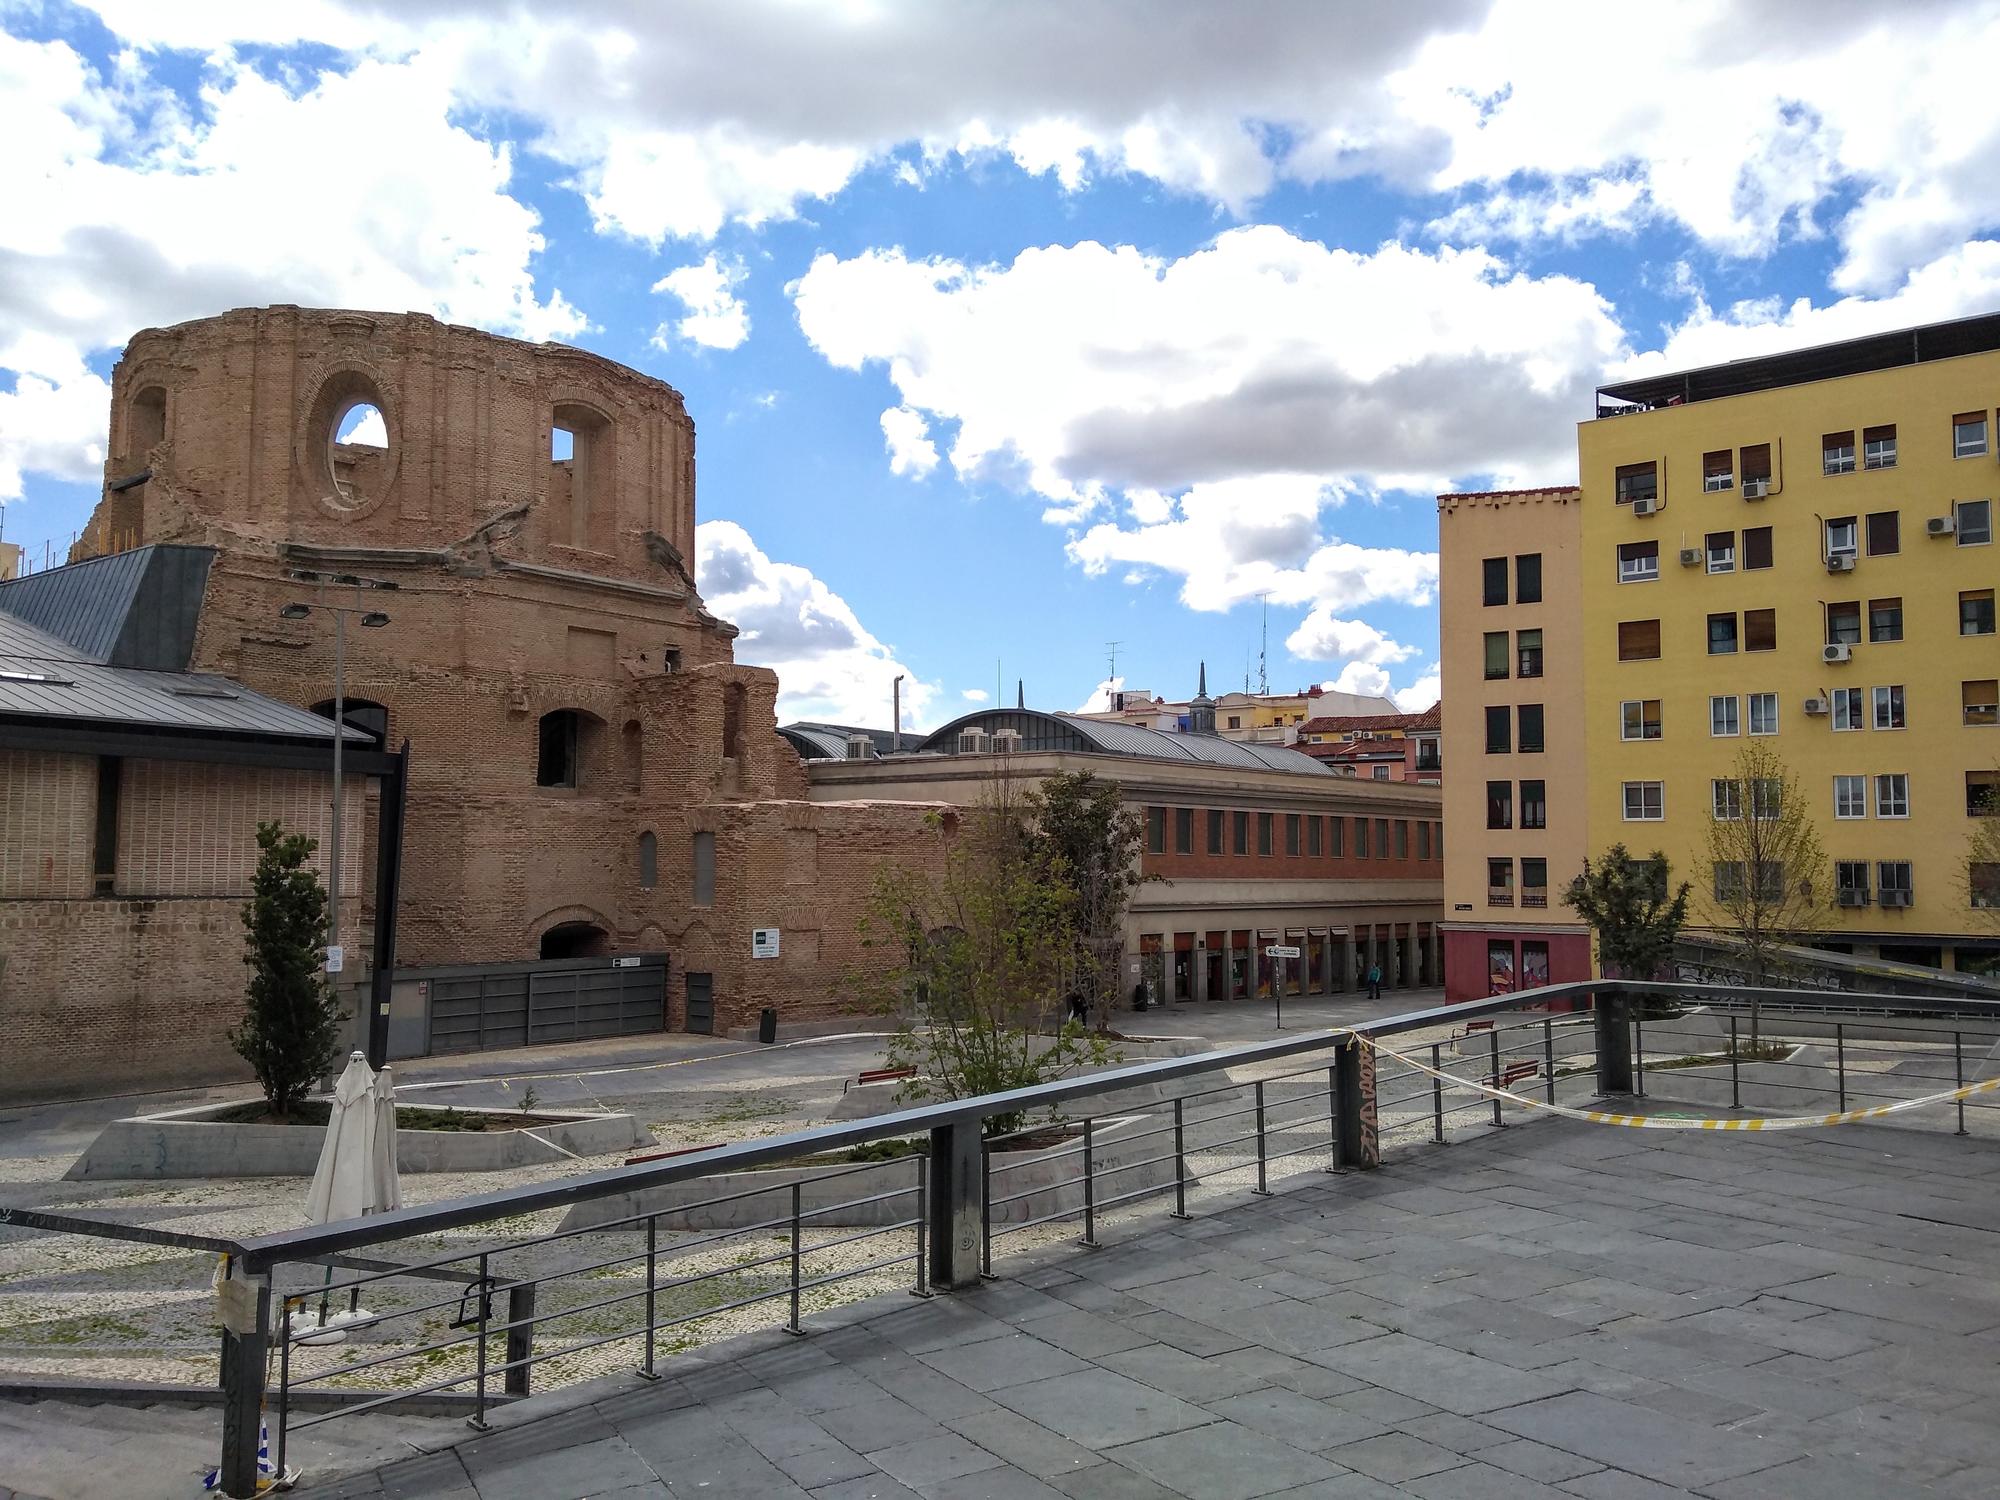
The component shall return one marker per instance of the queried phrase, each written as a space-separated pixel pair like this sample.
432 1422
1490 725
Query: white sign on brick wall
763 942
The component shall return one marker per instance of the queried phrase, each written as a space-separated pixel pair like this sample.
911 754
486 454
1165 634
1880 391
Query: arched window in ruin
350 424
576 940
734 703
649 860
631 748
568 747
146 421
704 869
580 494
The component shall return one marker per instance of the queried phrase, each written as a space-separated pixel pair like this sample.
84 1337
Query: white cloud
716 317
907 438
127 209
829 666
370 431
1322 636
1421 694
1099 700
976 695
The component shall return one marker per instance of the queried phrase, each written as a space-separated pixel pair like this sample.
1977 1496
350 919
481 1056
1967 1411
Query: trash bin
767 1025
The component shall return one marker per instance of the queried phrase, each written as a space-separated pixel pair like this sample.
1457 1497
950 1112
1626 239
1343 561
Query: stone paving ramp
1548 1312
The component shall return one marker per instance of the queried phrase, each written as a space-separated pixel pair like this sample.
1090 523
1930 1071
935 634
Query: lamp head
294 611
374 619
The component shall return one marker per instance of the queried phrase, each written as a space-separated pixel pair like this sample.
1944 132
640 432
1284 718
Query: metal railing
647 1251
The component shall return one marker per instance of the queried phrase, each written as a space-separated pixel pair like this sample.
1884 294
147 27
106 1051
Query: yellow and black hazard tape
1673 1122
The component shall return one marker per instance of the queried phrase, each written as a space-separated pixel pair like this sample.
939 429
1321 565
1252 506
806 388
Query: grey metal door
481 1007
701 1003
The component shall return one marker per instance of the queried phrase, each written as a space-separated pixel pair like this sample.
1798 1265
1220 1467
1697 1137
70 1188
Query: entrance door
701 1003
476 1008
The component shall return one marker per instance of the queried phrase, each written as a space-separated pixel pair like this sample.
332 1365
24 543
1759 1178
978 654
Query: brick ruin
591 769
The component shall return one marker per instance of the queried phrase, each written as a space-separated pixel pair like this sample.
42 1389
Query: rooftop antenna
1264 645
1112 647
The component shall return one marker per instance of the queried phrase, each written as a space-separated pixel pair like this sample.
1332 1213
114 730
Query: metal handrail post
1840 1061
1639 1049
1262 1187
1437 1093
520 1338
1180 1162
243 1364
1549 1057
485 1295
1089 1182
923 1286
792 1324
1333 1119
652 1289
1614 1042
1493 1051
954 1209
1735 1069
284 1384
1958 1067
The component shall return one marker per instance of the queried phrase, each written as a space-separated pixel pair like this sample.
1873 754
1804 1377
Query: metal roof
815 743
136 608
1057 731
44 679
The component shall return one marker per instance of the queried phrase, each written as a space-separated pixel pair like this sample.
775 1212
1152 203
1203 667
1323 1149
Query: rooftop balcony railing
467 1298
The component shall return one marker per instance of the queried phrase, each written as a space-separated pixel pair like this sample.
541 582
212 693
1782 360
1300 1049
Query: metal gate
480 1007
701 1003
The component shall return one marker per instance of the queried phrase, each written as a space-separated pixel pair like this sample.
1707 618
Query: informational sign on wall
763 942
336 956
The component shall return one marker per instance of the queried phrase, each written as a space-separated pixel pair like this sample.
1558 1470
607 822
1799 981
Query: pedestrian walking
1374 981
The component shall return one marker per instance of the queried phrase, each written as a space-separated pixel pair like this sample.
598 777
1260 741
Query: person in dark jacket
1374 981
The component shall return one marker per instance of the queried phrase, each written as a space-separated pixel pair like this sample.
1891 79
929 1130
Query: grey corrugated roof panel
130 609
814 742
80 690
1134 740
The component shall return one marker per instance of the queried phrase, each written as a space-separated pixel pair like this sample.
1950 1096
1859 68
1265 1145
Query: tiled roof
1430 718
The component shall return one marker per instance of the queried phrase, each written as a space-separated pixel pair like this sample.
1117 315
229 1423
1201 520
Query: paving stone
987 1365
872 1487
1187 1334
1819 1479
1026 1445
1085 1334
881 1423
1223 1461
1615 1484
1537 1461
1287 1416
1460 1434
1100 1408
992 1484
1479 1481
1112 1481
1443 1378
1394 1457
1184 1375
1648 1443
929 1460
829 1464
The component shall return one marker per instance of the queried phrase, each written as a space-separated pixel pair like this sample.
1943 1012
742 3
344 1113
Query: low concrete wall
192 1143
1047 1182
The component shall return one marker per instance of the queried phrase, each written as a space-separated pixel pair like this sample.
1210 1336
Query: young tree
291 1030
1982 858
1767 873
1085 840
976 959
1624 900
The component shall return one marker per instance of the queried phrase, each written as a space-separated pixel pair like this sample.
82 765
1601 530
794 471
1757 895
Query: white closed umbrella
387 1185
348 1182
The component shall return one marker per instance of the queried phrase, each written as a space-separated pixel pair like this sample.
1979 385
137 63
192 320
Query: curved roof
1050 731
815 743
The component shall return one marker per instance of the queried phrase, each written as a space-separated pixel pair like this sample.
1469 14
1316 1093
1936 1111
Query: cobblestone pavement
1549 1312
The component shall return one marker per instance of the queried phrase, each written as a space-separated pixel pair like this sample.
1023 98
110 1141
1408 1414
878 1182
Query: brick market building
1255 846
592 775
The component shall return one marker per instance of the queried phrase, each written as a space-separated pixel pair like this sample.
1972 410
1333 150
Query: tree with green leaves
1768 886
1084 839
1624 900
291 1031
975 954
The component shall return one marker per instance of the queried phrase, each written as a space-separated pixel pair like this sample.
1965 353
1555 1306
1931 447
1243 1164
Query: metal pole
1958 1067
520 1338
793 1325
1089 1183
284 1384
1493 1049
1180 1163
652 1283
1333 1118
1437 1094
1639 1050
243 1398
339 736
478 1417
1549 1057
1261 1187
923 1286
1840 1060
1735 1069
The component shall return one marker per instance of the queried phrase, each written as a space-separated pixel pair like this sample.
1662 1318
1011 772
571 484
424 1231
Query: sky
1014 329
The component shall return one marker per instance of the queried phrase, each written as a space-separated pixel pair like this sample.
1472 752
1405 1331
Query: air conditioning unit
1940 525
972 742
1645 507
1837 653
1839 562
1860 898
1756 489
860 747
1815 706
1006 741
1690 557
1895 898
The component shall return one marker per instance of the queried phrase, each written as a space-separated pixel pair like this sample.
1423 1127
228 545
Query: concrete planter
193 1143
1048 1181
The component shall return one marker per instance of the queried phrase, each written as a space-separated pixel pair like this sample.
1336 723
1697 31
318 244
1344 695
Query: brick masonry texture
525 586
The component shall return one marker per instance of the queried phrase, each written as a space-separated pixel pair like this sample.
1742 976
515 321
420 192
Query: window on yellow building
1836 452
1843 623
1722 634
1636 482
1980 702
1639 719
1638 562
1756 463
1968 434
1878 447
1760 630
1885 533
1885 620
1756 547
1718 471
1496 654
1639 640
1975 612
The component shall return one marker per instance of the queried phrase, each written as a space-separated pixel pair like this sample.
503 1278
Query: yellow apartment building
1510 583
1801 547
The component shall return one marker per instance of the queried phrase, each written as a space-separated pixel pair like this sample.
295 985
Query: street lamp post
372 619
